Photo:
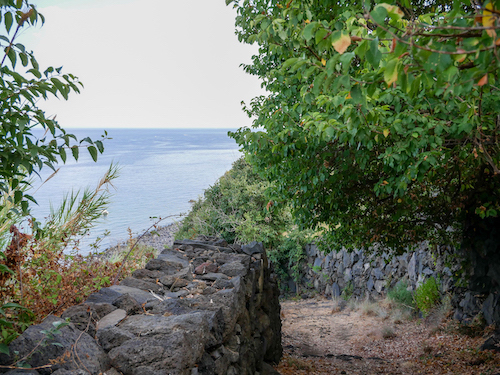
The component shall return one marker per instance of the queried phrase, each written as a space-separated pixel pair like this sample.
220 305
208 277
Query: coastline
158 239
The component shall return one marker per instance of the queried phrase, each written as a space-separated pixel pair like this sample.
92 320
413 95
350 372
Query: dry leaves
376 339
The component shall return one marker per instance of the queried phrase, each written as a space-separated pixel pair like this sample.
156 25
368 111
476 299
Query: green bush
401 295
238 208
427 296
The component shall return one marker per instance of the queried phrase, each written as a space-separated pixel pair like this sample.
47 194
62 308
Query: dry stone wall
361 275
202 307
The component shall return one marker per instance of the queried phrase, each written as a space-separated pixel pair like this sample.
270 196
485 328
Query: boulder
74 349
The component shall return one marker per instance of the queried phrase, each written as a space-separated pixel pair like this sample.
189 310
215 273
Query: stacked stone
202 307
373 275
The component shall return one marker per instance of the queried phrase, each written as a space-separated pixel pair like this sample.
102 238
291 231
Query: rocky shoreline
159 239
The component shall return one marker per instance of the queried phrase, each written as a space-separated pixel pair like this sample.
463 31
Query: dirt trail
326 337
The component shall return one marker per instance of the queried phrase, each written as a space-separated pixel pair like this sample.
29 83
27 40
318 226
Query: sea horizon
162 170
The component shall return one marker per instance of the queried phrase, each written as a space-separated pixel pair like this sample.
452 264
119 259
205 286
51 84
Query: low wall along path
202 307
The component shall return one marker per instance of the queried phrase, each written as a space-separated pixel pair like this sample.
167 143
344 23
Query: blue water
161 171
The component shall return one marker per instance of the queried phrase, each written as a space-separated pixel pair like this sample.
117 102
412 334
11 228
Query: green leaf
60 87
75 151
4 349
379 14
391 71
320 34
308 31
289 62
8 21
5 269
12 57
24 59
99 146
93 152
62 154
18 196
373 54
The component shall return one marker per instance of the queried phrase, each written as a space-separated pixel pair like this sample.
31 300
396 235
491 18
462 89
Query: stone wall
202 307
361 275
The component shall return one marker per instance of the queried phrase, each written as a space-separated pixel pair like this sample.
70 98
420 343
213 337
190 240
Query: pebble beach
158 239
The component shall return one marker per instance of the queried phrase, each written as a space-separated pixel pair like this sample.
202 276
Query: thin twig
115 280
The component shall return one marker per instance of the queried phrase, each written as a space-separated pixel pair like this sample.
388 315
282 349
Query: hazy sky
156 63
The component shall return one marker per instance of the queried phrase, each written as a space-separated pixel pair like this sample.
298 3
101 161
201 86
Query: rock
347 275
253 247
112 293
127 303
173 282
225 322
492 343
311 250
147 274
163 352
203 245
427 271
335 290
378 274
370 284
84 317
318 263
213 276
379 286
267 369
132 282
23 372
112 319
111 337
491 308
413 268
71 340
168 268
233 269
207 267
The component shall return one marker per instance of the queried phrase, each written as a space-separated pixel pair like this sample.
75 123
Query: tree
21 152
381 125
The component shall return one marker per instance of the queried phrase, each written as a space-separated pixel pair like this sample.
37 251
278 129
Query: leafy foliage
427 295
382 120
401 295
21 152
39 276
237 208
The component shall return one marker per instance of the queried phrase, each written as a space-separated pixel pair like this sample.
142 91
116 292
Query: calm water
161 170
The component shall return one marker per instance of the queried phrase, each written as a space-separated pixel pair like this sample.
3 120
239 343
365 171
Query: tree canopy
22 84
381 121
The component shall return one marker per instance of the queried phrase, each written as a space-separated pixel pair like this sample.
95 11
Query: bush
427 296
238 208
37 275
401 295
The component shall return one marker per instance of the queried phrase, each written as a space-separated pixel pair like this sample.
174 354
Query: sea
161 171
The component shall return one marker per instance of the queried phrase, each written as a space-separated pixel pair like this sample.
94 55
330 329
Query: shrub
401 295
237 208
427 296
348 291
37 274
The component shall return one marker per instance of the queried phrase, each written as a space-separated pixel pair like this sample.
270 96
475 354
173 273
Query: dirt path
327 337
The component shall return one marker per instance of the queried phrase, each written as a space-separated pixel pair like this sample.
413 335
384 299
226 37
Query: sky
155 64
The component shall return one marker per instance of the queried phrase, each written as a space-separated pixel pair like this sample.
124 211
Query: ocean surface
161 170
